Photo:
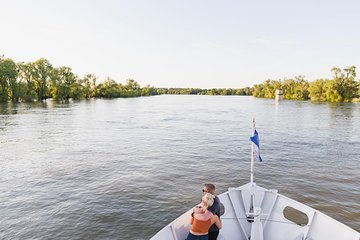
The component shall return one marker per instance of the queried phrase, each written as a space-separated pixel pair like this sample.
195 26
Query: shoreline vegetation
343 87
40 80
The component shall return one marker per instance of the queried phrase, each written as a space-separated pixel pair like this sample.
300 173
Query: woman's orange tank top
199 226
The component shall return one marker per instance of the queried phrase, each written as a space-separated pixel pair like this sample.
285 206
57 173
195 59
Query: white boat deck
255 213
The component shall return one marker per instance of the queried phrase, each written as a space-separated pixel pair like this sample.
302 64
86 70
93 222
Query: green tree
108 89
132 84
26 73
247 91
345 84
317 90
8 84
270 87
42 73
258 90
296 88
148 91
332 95
301 88
89 84
66 80
288 87
132 88
77 91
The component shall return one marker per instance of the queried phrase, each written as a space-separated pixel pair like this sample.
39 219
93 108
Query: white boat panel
268 204
233 218
323 227
278 227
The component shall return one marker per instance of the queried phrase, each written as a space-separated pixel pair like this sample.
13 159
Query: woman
202 219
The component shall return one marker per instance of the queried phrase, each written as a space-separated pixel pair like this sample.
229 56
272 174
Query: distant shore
343 87
40 80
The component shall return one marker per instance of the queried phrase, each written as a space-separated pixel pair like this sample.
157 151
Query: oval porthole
295 216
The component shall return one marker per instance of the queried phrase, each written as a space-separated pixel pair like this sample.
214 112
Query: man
215 209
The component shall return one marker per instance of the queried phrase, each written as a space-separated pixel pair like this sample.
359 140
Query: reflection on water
124 168
8 108
341 111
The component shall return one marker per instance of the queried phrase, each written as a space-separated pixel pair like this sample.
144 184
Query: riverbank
343 87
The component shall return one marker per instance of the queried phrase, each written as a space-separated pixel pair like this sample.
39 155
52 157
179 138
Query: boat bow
255 213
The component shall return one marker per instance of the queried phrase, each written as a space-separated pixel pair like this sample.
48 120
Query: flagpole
252 156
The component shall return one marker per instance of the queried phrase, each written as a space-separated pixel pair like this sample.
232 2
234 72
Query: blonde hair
207 201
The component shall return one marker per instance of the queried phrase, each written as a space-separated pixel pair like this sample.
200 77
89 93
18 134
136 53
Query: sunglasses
205 191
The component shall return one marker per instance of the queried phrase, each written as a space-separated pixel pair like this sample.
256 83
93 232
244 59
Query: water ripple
124 168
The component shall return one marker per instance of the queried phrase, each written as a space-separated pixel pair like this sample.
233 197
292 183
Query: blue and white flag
255 140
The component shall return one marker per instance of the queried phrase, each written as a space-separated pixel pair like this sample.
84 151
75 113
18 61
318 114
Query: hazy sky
185 43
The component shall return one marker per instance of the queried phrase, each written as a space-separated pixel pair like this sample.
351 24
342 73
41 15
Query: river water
124 168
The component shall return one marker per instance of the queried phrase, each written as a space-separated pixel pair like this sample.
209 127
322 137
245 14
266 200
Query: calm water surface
124 168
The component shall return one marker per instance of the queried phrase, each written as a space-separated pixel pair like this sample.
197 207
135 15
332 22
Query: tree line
343 87
199 91
40 80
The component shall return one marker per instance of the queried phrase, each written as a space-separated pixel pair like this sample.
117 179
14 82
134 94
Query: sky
185 43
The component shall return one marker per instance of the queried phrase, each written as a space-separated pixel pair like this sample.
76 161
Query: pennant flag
255 140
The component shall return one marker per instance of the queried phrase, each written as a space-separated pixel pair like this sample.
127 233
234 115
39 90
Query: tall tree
108 89
131 89
301 88
8 75
288 87
89 84
148 91
269 88
42 73
63 80
345 83
26 73
258 90
317 90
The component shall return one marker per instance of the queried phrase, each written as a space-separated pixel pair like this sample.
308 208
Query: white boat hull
255 213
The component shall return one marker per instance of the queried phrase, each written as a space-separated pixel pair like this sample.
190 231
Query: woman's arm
215 219
192 218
